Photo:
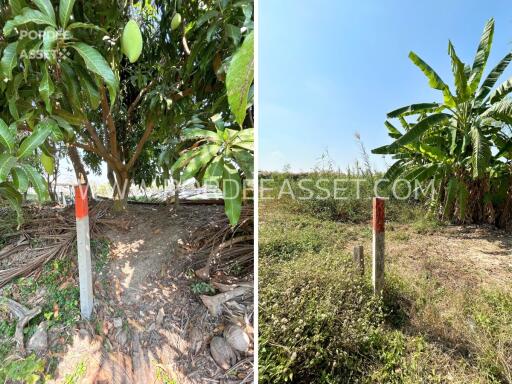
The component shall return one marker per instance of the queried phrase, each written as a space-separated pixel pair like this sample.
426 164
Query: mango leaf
65 9
184 159
7 162
28 16
9 60
48 163
17 6
69 132
206 153
20 179
240 77
46 7
248 145
57 134
49 43
80 25
214 171
198 133
13 197
72 87
46 88
37 182
207 16
95 62
246 134
245 161
90 88
7 138
234 33
232 191
41 132
71 118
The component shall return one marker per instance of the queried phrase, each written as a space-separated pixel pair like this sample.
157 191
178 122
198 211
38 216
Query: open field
446 315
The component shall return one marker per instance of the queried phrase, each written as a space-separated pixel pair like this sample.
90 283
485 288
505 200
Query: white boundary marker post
378 245
359 259
84 250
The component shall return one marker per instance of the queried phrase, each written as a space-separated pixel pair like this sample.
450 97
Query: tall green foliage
461 144
220 150
62 64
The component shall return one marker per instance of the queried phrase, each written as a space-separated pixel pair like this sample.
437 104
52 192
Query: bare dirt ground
149 326
457 256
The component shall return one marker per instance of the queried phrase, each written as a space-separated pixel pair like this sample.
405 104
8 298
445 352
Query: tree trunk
50 187
77 165
176 194
121 189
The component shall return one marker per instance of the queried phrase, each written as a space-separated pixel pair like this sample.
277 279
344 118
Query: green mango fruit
176 21
131 41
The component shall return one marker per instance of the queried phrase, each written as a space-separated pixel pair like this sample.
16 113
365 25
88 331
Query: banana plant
16 172
460 142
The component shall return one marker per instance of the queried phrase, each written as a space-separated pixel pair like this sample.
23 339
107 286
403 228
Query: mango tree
72 53
221 151
460 145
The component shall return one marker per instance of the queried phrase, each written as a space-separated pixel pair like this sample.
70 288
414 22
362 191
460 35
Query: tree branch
109 122
100 149
182 94
138 150
137 100
85 147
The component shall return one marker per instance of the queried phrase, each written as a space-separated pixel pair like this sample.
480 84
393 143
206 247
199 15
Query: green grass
60 307
77 374
319 322
101 251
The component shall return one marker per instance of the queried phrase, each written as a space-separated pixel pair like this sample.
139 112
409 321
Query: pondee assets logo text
43 53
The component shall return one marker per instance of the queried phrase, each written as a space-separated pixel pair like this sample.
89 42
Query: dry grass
448 299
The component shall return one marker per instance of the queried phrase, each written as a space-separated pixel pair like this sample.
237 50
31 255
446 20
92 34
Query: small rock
118 322
38 343
160 317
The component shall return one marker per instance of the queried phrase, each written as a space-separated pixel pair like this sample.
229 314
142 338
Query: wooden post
359 259
84 250
378 245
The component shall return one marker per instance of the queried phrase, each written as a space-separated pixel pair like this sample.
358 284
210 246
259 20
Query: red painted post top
81 204
378 214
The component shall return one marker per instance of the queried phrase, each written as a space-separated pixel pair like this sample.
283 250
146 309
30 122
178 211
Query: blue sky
328 69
